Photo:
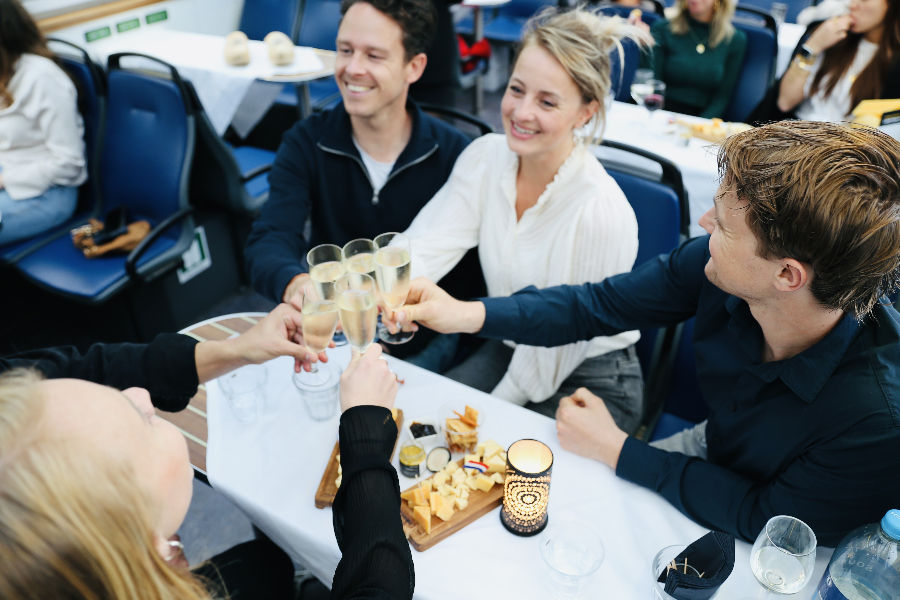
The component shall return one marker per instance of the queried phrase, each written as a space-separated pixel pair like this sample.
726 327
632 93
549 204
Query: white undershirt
378 171
836 106
581 229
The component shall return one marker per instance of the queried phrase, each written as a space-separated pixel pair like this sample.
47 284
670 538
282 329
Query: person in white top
543 212
42 159
846 59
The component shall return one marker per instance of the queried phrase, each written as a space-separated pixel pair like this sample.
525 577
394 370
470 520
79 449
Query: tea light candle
526 489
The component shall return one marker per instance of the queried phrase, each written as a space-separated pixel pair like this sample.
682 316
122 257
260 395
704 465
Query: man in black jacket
364 168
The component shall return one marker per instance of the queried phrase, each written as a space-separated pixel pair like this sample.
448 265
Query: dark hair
417 19
19 34
837 60
827 195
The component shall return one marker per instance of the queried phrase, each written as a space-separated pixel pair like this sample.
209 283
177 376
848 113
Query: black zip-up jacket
319 175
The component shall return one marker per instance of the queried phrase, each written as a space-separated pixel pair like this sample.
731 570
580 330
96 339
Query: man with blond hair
797 353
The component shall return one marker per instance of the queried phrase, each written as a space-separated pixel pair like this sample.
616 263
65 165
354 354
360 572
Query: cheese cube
479 449
502 455
457 491
422 515
470 481
415 497
446 513
464 493
445 490
458 477
426 487
496 465
497 477
491 448
461 503
484 483
439 479
439 503
472 457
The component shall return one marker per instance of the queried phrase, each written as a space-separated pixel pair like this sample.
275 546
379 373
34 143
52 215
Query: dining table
231 95
271 470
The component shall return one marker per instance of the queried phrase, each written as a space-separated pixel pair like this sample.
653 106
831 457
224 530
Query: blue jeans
22 219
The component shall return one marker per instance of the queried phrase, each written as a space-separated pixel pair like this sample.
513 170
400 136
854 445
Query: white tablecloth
200 58
271 470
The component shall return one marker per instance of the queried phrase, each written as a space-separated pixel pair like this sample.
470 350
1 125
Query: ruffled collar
567 170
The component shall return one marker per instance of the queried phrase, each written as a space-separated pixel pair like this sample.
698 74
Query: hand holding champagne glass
325 267
320 316
392 271
358 310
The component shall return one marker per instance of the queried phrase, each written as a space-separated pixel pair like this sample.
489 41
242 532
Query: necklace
701 46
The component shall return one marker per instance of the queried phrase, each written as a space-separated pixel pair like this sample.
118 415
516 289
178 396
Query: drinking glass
655 97
358 309
325 267
319 321
779 10
663 558
572 555
642 76
359 257
784 555
322 401
245 389
392 271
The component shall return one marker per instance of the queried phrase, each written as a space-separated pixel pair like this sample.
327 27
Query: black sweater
376 561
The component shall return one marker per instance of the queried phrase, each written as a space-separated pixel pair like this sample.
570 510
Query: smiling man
367 166
797 356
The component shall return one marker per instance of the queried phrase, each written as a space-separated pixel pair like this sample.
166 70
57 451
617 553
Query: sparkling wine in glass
325 267
358 309
359 257
320 317
784 555
392 271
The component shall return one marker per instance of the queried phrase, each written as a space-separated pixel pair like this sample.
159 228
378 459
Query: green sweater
706 80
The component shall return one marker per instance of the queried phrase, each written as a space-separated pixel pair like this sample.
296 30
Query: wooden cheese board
480 503
327 487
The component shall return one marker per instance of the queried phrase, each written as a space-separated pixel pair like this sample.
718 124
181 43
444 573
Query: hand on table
436 309
829 33
585 427
368 381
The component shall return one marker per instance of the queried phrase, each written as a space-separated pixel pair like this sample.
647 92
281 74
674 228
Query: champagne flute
325 267
359 257
320 317
784 555
392 271
357 308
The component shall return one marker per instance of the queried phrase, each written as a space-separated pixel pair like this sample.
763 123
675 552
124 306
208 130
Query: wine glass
784 555
357 308
359 257
392 271
642 76
655 97
325 267
320 317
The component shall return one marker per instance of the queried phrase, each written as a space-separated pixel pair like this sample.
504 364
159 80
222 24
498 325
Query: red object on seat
470 56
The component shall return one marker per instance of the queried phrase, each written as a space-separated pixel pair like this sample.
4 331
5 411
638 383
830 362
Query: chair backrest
683 397
523 9
149 142
90 81
475 124
319 24
758 70
794 6
620 77
260 17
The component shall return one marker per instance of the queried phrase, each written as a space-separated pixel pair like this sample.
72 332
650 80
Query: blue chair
147 157
91 83
509 19
683 404
758 70
794 6
261 17
660 205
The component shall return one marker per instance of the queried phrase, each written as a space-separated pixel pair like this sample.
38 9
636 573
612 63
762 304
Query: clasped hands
583 422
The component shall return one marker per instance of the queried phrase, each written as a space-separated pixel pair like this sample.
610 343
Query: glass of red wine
656 98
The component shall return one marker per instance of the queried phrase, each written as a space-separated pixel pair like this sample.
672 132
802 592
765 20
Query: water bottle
866 564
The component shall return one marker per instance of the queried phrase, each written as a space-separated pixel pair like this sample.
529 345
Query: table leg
478 24
304 104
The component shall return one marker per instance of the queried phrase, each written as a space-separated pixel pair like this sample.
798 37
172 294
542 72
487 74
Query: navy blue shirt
816 436
319 175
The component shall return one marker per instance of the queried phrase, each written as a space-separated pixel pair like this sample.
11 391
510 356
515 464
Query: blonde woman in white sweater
543 212
41 132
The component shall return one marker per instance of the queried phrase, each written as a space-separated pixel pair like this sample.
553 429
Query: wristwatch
805 57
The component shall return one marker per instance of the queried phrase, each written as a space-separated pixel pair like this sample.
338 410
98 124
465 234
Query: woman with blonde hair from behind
698 54
93 484
543 212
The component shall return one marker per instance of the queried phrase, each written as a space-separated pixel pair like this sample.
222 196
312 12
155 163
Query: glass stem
313 368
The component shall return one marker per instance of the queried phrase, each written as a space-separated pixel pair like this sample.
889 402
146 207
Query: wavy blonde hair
720 28
74 522
582 40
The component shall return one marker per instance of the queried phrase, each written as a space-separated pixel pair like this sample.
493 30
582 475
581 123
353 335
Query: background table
272 476
222 88
477 7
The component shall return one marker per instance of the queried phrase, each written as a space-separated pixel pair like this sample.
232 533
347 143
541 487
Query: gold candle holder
526 489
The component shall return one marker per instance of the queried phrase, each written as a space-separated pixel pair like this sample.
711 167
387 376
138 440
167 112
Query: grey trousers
615 377
691 442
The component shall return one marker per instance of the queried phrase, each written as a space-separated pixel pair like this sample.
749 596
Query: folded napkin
712 556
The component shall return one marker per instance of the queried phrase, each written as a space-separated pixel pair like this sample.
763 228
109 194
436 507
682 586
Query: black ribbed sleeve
376 561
